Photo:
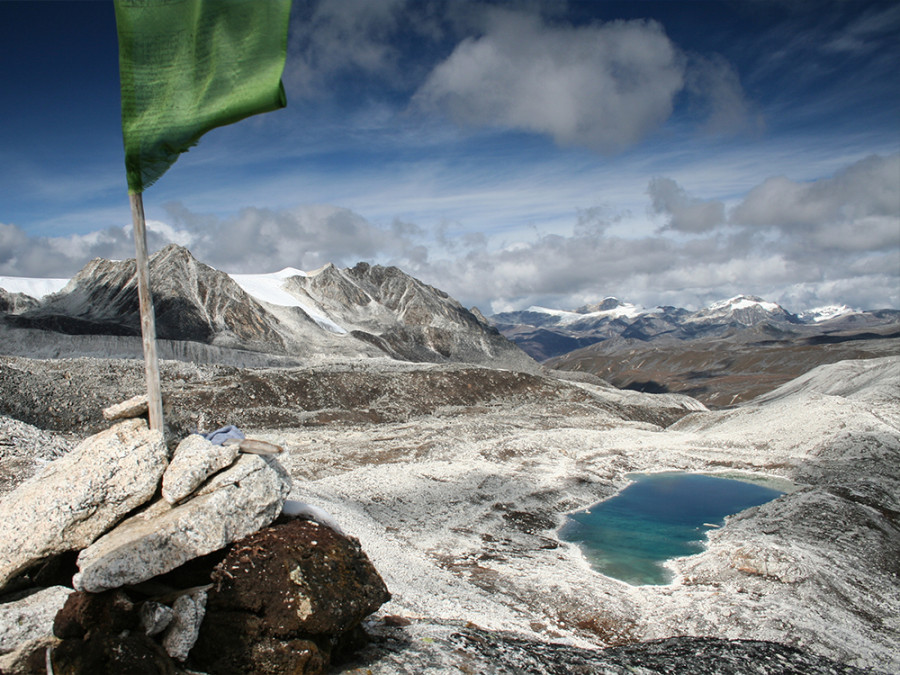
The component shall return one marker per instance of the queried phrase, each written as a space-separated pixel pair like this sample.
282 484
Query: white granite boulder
234 503
30 618
81 495
195 460
155 617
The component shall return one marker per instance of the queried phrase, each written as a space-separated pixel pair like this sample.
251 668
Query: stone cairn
123 557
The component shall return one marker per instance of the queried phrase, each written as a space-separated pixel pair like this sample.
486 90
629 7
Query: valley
456 473
456 478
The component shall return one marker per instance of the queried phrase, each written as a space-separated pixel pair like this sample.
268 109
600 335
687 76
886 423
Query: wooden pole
148 323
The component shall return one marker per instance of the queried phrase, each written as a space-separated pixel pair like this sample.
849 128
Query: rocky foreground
454 479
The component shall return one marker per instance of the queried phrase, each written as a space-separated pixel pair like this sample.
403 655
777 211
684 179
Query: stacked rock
152 533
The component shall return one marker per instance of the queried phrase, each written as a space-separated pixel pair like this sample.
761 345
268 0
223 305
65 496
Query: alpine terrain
436 461
728 352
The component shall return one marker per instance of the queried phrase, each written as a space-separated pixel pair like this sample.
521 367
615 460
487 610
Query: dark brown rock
101 634
287 599
108 654
95 612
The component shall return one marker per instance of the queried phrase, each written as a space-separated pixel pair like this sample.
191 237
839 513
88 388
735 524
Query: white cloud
306 237
24 255
835 240
685 214
717 92
857 208
602 86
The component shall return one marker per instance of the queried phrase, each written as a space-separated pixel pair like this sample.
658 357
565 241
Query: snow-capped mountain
549 333
746 310
365 311
826 313
721 354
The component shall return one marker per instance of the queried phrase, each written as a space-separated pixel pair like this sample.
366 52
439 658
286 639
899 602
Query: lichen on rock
290 595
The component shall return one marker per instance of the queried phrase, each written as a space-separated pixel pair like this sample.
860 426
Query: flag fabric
188 66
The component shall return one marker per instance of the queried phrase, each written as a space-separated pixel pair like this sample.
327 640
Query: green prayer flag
188 66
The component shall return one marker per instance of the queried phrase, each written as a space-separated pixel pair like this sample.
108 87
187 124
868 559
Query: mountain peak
607 304
744 302
826 313
288 313
747 310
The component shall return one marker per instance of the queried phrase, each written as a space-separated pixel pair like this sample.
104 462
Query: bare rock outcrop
181 633
136 406
145 568
286 599
80 495
25 450
15 303
26 626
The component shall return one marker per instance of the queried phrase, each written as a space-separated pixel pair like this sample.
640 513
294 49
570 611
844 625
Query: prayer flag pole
185 67
148 320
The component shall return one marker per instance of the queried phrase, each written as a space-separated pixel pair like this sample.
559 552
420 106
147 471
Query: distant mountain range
721 354
204 314
546 333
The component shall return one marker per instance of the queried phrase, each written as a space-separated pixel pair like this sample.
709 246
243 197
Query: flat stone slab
195 460
136 406
81 495
231 505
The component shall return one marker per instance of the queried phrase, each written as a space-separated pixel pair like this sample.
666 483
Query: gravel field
455 479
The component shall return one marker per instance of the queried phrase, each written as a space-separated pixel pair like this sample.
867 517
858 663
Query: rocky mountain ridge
728 352
546 333
365 311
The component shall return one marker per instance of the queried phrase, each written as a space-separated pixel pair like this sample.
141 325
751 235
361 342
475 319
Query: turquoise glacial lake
658 517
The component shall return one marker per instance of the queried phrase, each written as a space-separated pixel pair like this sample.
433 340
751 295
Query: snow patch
36 288
269 288
625 310
820 314
743 302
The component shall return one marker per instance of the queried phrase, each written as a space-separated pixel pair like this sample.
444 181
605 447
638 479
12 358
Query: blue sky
509 153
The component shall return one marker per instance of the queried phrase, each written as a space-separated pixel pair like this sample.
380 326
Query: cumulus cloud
857 209
835 240
601 86
24 255
254 240
684 213
307 237
869 188
332 36
359 39
853 212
